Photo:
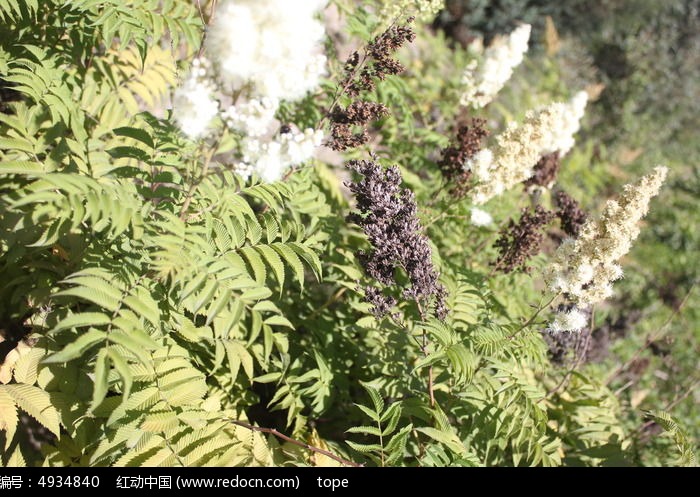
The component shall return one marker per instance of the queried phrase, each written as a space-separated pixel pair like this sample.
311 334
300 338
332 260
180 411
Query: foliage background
155 306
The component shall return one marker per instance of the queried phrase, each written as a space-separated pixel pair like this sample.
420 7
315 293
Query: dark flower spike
349 125
520 241
570 214
387 213
455 156
545 171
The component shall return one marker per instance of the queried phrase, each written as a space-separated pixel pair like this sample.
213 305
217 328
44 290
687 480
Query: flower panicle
387 213
482 81
584 268
519 150
258 53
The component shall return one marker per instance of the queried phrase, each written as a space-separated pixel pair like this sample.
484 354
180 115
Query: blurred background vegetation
643 58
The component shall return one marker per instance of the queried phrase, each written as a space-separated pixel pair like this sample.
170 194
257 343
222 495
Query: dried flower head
378 60
545 172
454 156
357 114
520 241
585 268
349 125
387 213
570 214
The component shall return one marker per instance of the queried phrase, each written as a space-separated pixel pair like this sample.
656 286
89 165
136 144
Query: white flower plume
585 268
482 81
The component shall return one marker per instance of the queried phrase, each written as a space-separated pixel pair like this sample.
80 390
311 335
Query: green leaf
367 430
364 448
123 369
391 418
101 379
35 402
375 396
369 412
21 167
77 347
82 319
449 439
135 133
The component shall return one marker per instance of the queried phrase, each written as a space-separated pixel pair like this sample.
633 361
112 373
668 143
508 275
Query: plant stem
576 364
424 349
284 437
195 183
533 317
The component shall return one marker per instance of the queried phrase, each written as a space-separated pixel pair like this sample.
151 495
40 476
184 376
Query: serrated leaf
375 396
25 370
135 133
8 415
366 430
123 369
35 402
101 378
449 439
391 418
369 412
77 347
364 448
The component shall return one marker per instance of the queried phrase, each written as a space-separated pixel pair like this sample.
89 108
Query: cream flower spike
586 267
482 81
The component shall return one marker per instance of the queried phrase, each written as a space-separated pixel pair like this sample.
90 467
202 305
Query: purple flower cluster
387 214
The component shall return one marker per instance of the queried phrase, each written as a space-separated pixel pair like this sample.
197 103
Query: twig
284 437
576 364
331 300
670 405
195 183
533 317
651 339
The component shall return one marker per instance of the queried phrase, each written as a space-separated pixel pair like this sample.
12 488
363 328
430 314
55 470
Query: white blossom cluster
585 268
482 81
272 46
480 217
270 158
194 105
572 320
424 10
514 155
252 118
519 148
261 52
561 138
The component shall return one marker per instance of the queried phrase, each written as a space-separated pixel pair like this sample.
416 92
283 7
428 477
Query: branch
577 362
680 398
284 437
651 339
540 308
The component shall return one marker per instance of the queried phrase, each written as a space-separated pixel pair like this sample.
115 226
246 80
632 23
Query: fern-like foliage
158 309
673 430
